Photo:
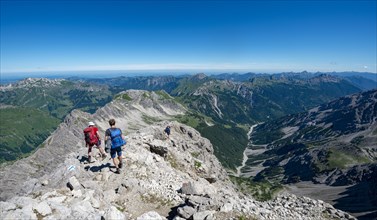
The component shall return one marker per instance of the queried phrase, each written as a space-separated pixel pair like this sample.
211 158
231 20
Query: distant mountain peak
324 77
199 76
35 82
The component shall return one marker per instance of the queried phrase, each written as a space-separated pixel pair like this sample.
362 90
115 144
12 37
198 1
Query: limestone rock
44 182
43 208
114 214
74 183
158 147
152 215
186 211
204 215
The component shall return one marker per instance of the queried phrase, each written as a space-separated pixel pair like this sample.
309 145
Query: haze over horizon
187 36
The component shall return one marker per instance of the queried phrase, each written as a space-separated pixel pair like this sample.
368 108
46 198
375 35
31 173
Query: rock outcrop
163 178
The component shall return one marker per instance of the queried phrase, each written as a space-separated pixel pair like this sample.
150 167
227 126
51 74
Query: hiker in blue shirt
117 141
167 131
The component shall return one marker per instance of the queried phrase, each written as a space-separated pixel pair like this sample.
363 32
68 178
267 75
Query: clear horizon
187 36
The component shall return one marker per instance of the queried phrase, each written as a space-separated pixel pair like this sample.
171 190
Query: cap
91 123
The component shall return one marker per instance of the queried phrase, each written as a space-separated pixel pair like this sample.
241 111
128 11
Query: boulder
152 215
200 187
204 215
186 211
227 207
74 183
158 147
6 206
82 210
113 213
43 208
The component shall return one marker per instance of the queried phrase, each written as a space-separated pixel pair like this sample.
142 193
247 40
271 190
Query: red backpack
90 136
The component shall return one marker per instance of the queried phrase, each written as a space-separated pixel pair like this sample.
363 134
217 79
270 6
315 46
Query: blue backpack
116 138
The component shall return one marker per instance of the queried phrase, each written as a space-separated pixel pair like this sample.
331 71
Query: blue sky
192 36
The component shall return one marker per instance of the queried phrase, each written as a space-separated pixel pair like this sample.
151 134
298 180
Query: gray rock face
150 185
158 147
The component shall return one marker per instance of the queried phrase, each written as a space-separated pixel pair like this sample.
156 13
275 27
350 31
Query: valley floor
337 196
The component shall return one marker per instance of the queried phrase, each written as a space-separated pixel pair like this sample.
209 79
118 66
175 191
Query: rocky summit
162 178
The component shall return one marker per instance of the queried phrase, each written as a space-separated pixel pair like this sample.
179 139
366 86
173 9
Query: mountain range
230 106
332 144
296 128
175 178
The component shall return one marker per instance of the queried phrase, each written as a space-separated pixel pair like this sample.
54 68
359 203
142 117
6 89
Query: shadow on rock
174 212
99 168
83 159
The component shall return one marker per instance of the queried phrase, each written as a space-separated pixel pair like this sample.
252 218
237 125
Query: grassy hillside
22 130
39 105
57 99
228 141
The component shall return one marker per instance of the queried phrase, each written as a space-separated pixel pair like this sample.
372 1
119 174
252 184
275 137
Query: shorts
95 145
115 151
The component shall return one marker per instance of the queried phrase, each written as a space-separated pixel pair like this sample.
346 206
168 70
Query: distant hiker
117 141
167 131
92 138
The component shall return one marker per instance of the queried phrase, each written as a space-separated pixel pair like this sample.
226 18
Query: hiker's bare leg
89 150
102 151
115 162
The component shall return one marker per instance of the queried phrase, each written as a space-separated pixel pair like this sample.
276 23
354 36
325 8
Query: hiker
167 131
117 141
92 138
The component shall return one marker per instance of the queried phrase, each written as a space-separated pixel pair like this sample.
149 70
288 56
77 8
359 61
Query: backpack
90 136
116 138
167 130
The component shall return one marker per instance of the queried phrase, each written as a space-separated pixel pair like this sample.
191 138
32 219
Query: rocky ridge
33 82
176 178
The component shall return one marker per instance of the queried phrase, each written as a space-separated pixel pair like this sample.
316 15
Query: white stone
105 176
60 210
95 203
113 214
27 212
19 214
203 215
227 207
98 177
76 193
6 206
157 158
75 183
49 194
59 199
82 210
44 182
152 215
23 201
109 195
43 208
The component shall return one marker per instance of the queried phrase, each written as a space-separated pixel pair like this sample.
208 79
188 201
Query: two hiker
113 135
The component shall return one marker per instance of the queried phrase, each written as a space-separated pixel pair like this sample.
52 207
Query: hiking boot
118 171
104 156
120 165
